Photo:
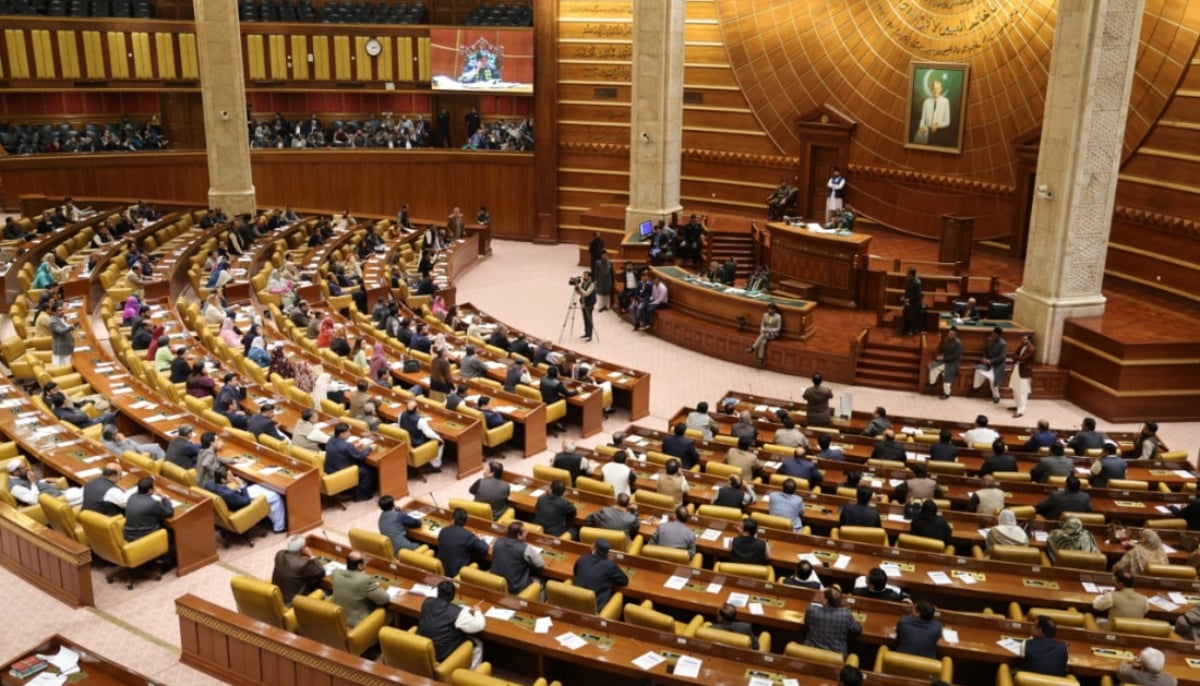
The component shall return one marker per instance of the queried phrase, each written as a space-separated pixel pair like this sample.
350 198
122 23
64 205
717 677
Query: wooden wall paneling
18 58
320 61
43 54
256 68
68 54
277 52
362 61
118 55
341 59
164 46
424 59
189 62
405 58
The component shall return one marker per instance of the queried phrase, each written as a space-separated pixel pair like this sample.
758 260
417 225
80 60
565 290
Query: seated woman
230 334
930 524
1148 550
258 352
48 273
199 383
1006 532
1070 536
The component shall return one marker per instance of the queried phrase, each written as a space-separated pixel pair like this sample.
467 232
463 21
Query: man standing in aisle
837 190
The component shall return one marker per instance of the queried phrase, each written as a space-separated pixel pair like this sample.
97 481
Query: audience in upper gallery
387 132
47 138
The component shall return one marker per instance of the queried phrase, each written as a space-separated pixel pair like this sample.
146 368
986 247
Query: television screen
647 228
483 60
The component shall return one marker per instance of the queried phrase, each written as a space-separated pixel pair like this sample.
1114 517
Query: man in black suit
888 448
145 513
574 463
553 512
679 445
553 390
860 513
597 573
458 547
1042 653
918 633
912 302
943 450
748 548
1071 499
264 423
998 461
877 588
727 621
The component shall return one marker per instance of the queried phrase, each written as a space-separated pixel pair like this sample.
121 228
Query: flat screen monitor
646 228
482 60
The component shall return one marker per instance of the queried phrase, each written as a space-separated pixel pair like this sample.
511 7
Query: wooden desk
96 670
836 263
716 303
45 558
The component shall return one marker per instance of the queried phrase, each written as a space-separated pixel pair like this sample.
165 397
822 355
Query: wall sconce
1044 192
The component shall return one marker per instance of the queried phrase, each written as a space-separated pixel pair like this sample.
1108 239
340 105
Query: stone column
219 50
1091 74
656 115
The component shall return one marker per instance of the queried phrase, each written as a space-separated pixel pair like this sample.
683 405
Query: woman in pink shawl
229 335
380 370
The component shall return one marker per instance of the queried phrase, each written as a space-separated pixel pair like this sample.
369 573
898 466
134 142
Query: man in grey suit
619 517
946 365
356 591
1054 464
492 489
676 533
991 368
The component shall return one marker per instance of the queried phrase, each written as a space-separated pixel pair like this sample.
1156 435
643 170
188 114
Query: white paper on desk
542 625
120 390
1163 509
1163 603
1041 536
843 562
940 578
1182 473
1011 645
738 599
812 559
1169 549
499 613
759 681
965 578
88 473
537 493
949 635
714 588
895 482
676 583
649 660
791 682
66 660
1177 597
654 477
571 641
333 566
728 540
892 570
688 666
8 403
394 591
268 470
1083 470
1090 587
755 608
422 589
45 679
893 517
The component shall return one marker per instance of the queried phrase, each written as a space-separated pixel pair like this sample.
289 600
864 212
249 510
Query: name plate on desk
1041 583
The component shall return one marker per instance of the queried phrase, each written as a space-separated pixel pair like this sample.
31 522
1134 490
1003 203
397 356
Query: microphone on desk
434 499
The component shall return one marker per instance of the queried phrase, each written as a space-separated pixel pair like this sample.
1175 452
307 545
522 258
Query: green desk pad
677 273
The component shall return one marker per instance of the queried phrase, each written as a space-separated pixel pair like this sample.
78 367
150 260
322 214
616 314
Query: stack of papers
542 625
688 666
649 660
571 641
1012 645
949 635
940 578
676 583
331 567
1163 603
499 613
738 599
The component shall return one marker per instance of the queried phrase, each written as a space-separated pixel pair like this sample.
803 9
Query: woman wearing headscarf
163 356
47 273
379 367
358 352
1006 531
258 352
132 310
320 389
1147 551
280 364
230 334
139 334
248 338
1070 536
325 333
214 313
199 383
930 524
438 307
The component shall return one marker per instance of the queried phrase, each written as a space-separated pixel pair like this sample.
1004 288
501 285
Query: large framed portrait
937 102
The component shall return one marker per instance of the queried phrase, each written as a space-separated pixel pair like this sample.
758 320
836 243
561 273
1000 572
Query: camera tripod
569 318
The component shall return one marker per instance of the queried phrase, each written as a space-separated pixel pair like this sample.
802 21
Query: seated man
619 517
420 432
738 494
25 490
341 453
980 432
888 448
967 311
237 495
448 624
515 560
878 424
118 444
804 576
102 494
1054 464
1042 653
748 548
570 461
599 574
676 533
395 523
727 621
492 489
264 423
874 585
72 415
918 633
860 513
356 591
457 546
1070 499
679 445
145 513
295 571
785 503
1123 601
554 513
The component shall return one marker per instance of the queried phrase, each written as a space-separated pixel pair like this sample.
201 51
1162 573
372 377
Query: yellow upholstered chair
1173 523
1078 559
371 543
1128 485
555 411
772 521
1085 517
495 582
677 555
1173 456
414 653
590 485
324 621
175 473
730 638
818 655
105 536
1012 476
465 677
1005 677
1018 553
549 474
895 465
494 437
645 615
721 469
923 544
659 458
731 514
582 600
263 601
145 462
889 662
1184 572
33 511
764 572
1154 628
1067 617
61 517
860 534
481 510
417 457
778 479
653 499
424 560
237 523
955 468
617 540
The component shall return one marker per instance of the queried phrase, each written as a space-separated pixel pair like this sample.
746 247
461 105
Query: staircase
741 245
887 365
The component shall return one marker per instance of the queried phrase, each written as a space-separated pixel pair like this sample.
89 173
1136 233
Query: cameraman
585 288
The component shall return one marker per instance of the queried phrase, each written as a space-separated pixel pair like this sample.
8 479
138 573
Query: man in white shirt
980 433
25 490
616 473
837 186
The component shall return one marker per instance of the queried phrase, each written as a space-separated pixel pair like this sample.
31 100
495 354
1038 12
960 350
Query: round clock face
373 47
